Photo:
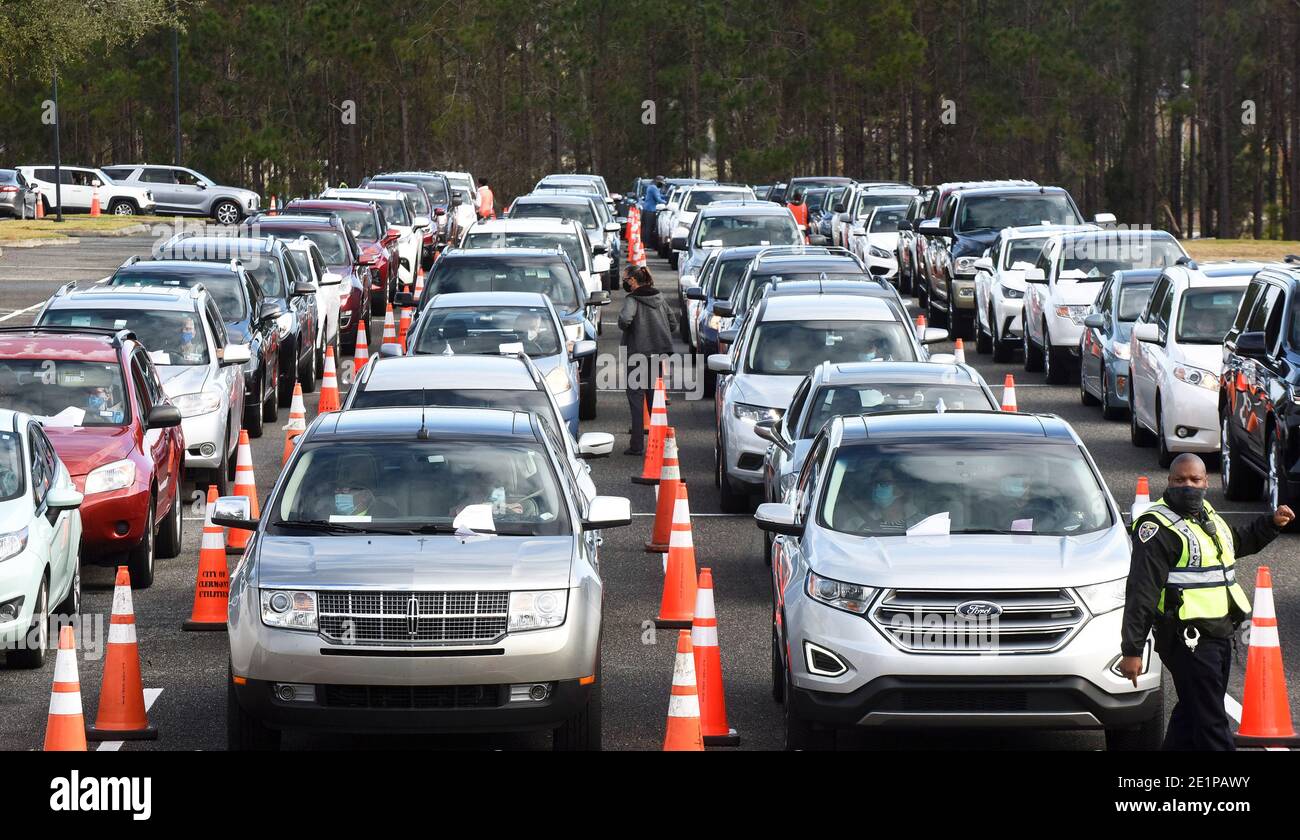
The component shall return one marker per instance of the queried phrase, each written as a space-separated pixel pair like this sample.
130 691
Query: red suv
102 405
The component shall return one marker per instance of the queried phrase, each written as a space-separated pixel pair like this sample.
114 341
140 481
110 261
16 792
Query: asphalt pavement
637 661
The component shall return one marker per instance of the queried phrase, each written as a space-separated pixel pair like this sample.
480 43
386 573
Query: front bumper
1117 382
112 522
745 450
1008 312
205 438
1193 409
19 578
963 292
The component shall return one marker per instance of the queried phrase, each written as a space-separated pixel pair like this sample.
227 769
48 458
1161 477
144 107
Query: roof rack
117 336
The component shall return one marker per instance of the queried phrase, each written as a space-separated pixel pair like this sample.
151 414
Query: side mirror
269 311
390 349
233 512
1035 275
599 248
838 207
235 354
723 310
720 363
439 211
595 445
1104 218
302 289
404 299
695 293
679 243
1150 333
766 429
422 222
904 225
659 208
607 512
777 518
928 229
331 279
934 335
582 349
728 336
984 264
1094 321
600 298
63 498
164 417
612 227
404 262
1251 345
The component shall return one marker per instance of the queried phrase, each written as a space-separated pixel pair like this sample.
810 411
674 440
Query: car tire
221 474
1278 492
1148 736
140 560
271 405
801 734
1001 350
253 412
1055 362
1163 456
284 391
172 531
123 207
959 326
226 212
1085 396
581 733
937 317
307 373
778 668
243 731
984 338
32 657
1240 482
71 603
587 398
1109 411
1137 433
728 499
1033 358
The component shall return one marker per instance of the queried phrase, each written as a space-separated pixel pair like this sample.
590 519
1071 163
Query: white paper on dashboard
69 417
1022 525
474 520
511 347
938 525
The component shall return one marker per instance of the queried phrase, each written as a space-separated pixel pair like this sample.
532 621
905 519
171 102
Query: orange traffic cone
683 732
212 588
959 352
361 355
404 328
94 202
666 502
677 606
1265 711
652 465
122 715
297 423
708 667
245 485
419 283
329 386
390 327
1009 394
633 225
1141 498
275 204
39 212
65 729
920 325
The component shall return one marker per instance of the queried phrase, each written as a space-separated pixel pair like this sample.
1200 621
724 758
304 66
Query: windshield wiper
337 527
994 531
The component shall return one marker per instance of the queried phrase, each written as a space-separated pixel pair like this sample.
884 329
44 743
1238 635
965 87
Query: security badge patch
1147 531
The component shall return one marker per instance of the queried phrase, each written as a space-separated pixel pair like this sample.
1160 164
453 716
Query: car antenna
423 434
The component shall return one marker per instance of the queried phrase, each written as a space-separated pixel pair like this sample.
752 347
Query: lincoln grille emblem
412 616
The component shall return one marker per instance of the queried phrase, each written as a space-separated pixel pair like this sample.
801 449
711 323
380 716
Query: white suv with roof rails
80 184
549 233
682 215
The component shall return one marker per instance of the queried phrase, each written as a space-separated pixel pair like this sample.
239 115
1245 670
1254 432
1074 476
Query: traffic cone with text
404 328
652 465
677 605
708 667
212 587
1265 710
245 485
666 499
329 385
1009 394
1141 498
297 422
683 733
122 714
65 729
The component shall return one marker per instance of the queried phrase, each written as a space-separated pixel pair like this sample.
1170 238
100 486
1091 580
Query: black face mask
1186 501
627 287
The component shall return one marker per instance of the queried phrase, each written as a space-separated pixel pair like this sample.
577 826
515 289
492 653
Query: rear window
457 398
735 231
583 214
500 274
223 287
876 398
572 246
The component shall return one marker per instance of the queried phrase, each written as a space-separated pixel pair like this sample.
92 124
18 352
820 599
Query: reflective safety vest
1204 577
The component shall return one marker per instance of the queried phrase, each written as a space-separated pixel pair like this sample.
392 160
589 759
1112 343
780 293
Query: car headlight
192 405
289 609
880 253
12 543
753 413
965 265
558 381
1104 597
1075 312
850 597
1012 294
574 332
112 476
1196 376
1122 350
537 610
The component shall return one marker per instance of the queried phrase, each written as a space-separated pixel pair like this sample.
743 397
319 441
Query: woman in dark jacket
648 324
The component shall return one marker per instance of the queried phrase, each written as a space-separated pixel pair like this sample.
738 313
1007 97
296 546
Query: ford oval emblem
978 609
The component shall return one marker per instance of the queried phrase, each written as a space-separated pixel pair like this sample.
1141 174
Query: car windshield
362 223
567 242
886 221
1133 299
727 231
699 198
63 392
1098 257
502 274
1023 251
413 485
223 287
759 282
481 330
870 201
583 214
516 400
418 201
1206 315
840 400
333 247
789 348
882 490
726 276
395 210
994 212
172 338
268 276
11 466
435 188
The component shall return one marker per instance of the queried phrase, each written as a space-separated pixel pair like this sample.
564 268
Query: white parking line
18 312
150 695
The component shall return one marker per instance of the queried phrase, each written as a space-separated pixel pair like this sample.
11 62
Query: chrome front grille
927 621
412 618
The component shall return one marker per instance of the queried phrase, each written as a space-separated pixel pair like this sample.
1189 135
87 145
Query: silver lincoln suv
953 569
419 570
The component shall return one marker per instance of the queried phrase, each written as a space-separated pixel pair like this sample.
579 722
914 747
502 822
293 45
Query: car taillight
5 189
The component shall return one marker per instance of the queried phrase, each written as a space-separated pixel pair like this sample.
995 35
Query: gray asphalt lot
637 661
